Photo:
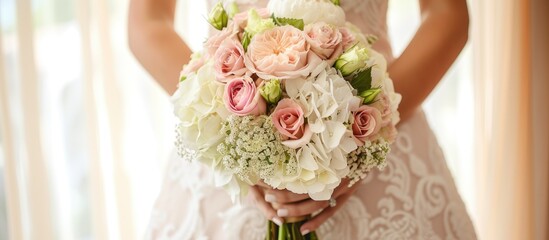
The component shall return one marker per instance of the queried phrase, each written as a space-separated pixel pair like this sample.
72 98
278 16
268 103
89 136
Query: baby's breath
252 149
363 159
184 152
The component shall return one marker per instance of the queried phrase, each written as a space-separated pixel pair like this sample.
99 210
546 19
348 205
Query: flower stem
288 231
282 232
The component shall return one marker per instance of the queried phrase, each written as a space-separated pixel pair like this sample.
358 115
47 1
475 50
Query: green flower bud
271 91
371 39
218 17
370 95
352 60
233 9
256 24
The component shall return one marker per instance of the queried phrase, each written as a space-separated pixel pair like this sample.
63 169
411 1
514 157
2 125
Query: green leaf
336 2
246 39
182 78
362 81
297 23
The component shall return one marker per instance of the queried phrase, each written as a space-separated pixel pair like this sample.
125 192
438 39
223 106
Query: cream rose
229 60
242 97
310 11
281 52
325 40
367 122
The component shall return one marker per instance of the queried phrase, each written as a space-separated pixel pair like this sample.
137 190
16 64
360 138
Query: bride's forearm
154 42
437 43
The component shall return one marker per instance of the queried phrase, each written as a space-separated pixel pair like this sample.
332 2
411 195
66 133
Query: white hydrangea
327 100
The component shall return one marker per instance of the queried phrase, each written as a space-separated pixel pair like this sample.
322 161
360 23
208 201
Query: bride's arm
155 43
436 44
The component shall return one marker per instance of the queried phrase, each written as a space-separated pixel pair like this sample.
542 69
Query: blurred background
85 132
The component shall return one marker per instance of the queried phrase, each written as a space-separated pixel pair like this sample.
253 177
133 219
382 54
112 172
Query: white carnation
310 11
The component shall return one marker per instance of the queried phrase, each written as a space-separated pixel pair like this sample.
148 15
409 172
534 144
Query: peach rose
325 41
288 119
348 38
242 97
229 60
367 122
281 52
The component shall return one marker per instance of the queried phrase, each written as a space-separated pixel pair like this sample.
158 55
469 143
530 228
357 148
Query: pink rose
229 60
213 43
281 52
366 123
384 106
348 38
325 41
288 119
242 97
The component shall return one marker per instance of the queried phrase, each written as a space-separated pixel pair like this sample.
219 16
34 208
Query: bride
414 197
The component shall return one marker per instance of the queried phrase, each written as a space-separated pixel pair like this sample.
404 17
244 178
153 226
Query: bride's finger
265 207
319 219
302 208
344 188
263 185
283 196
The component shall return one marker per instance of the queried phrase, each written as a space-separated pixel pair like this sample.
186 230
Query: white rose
379 68
380 78
394 98
311 11
198 105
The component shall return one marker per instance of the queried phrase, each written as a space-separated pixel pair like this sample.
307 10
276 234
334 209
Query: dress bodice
368 15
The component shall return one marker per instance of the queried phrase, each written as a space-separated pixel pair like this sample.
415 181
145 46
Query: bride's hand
290 204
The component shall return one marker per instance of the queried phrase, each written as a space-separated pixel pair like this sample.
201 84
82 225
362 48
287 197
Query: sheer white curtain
511 54
84 130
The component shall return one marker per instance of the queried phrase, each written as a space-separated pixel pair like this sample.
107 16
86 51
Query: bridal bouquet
291 95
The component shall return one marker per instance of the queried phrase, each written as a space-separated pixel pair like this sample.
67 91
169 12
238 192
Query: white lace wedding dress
414 197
